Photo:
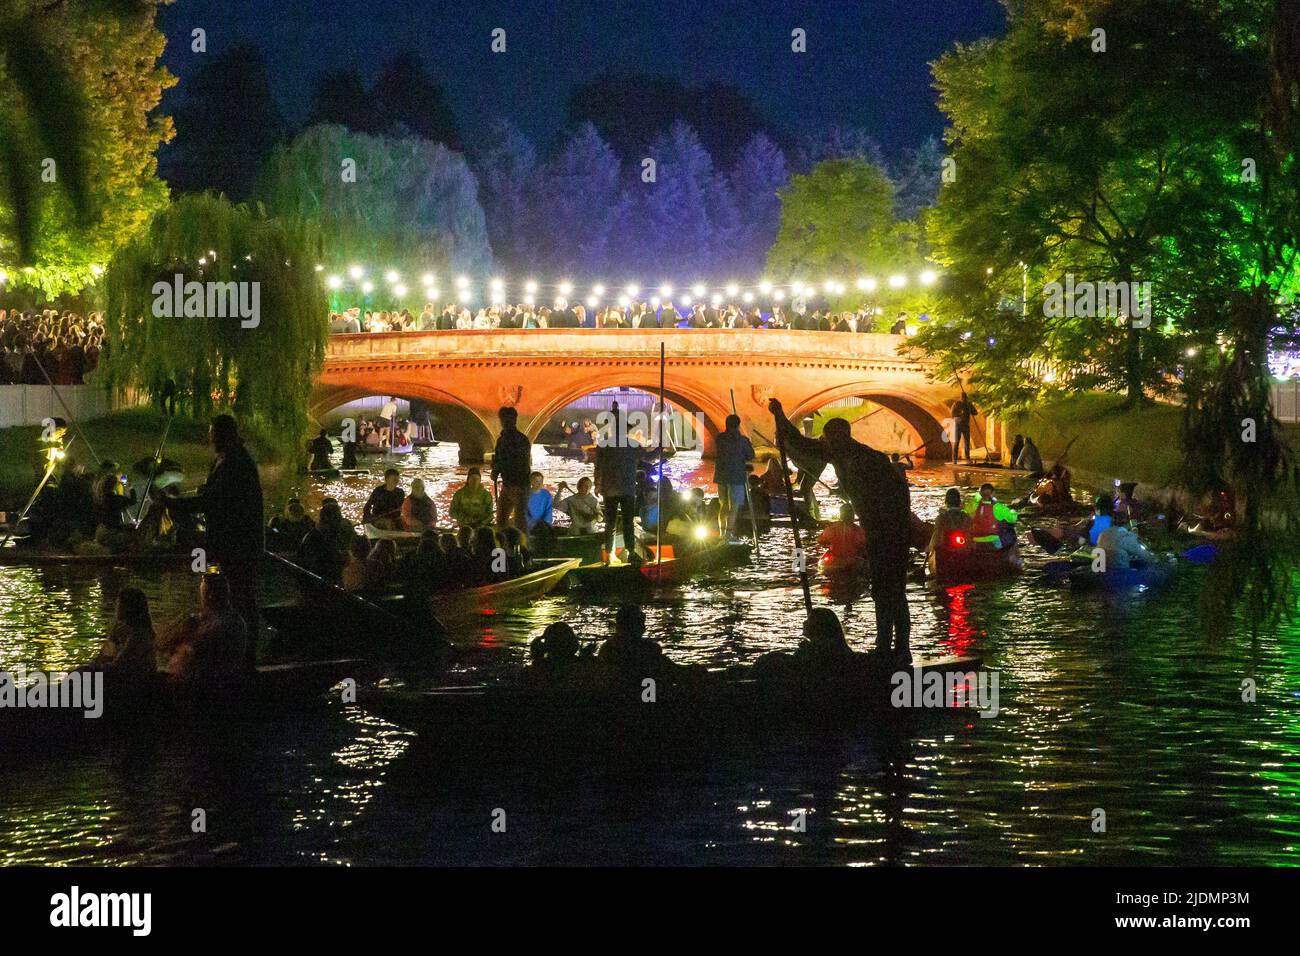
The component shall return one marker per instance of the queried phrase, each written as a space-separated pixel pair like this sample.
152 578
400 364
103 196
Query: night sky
866 65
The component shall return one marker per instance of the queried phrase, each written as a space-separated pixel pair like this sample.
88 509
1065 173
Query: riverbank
1113 441
125 436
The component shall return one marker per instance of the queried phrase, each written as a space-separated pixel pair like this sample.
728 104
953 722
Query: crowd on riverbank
48 346
643 315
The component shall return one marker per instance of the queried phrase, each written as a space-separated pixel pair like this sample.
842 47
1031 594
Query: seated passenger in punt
207 650
822 655
287 531
128 650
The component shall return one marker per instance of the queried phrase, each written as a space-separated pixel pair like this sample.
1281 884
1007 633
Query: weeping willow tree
1232 436
263 373
379 201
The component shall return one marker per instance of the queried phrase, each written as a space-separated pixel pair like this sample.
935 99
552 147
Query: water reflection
1106 702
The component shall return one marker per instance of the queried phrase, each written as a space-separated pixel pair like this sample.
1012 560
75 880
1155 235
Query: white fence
1286 400
32 404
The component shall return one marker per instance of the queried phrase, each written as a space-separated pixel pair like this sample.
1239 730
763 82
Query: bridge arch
924 416
456 419
708 409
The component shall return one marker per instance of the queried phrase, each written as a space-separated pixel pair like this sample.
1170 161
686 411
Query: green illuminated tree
79 132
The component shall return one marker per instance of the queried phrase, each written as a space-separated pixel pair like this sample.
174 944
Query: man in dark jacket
512 463
231 504
881 499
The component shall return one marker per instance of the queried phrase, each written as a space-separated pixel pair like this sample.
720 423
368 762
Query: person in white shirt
1123 548
582 507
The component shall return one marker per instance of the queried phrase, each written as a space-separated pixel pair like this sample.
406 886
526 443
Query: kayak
1121 579
961 565
586 711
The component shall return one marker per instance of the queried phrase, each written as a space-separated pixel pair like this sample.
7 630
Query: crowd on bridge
40 346
643 315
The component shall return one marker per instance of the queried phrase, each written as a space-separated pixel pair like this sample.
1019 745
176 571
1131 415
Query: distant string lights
598 295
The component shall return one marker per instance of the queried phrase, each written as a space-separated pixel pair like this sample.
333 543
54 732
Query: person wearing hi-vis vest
992 523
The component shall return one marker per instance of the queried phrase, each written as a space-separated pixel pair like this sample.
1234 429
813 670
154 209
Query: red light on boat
957 539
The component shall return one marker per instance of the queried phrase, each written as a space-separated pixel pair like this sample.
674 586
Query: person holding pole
881 499
733 453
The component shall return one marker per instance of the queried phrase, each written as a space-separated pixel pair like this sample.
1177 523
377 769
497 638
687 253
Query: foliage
404 100
263 374
1106 166
80 86
837 223
413 207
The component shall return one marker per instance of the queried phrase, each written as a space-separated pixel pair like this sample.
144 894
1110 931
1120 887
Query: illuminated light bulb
356 272
796 287
319 267
928 276
466 295
399 290
778 295
367 287
829 285
687 300
654 302
462 282
566 288
989 271
98 270
698 290
765 287
624 301
428 278
633 290
716 300
701 531
686 494
665 291
598 289
593 301
869 285
333 282
531 287
391 277
732 289
498 285
748 297
897 281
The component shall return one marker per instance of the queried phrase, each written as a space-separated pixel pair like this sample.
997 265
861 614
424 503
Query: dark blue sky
866 65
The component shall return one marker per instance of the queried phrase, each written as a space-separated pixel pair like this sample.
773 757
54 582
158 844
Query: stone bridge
471 374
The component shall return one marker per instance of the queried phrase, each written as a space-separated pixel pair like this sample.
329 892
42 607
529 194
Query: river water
1116 703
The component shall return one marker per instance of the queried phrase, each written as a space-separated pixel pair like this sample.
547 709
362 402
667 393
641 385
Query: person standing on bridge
881 499
963 411
512 463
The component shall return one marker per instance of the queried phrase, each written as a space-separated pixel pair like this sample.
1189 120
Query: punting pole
659 483
153 470
71 420
794 521
749 499
13 525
